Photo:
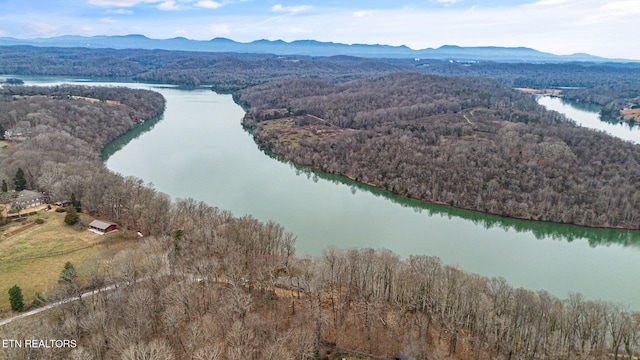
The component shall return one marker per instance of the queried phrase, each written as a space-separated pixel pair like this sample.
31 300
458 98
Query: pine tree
75 202
5 187
16 299
19 180
72 216
69 273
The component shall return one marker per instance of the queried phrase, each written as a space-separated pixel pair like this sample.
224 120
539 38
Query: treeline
612 85
224 71
204 284
469 143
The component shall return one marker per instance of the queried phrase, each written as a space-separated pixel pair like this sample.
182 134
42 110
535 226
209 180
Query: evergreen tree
19 180
16 299
75 202
5 187
1 132
69 273
72 216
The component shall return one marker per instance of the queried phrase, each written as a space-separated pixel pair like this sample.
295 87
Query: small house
63 203
29 198
101 227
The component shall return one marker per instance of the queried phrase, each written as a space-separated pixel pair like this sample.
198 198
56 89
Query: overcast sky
597 27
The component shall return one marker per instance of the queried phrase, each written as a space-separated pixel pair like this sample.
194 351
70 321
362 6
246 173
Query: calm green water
587 115
199 150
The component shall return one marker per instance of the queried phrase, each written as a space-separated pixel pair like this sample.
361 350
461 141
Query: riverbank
380 187
423 137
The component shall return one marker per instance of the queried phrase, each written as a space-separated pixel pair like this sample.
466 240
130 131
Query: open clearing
631 114
33 255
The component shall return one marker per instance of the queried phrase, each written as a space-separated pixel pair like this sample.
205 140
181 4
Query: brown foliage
469 144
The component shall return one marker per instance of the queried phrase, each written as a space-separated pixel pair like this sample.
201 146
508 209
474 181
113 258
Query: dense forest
611 85
59 130
466 142
96 114
204 284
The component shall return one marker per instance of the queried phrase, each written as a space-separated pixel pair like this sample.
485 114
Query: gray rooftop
99 224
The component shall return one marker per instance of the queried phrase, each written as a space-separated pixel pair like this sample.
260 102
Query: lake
199 149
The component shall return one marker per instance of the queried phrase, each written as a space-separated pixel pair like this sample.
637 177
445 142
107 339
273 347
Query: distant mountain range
310 48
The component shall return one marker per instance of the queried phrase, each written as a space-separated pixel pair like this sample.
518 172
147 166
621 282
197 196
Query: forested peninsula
57 133
467 142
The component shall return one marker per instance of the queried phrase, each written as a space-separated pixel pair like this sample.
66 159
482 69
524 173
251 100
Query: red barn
102 227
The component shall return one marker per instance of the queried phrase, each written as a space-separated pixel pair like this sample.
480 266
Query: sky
597 27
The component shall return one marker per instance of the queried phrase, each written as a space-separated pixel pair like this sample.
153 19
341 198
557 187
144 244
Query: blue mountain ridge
309 48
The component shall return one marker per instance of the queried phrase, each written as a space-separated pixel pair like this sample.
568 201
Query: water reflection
541 230
124 139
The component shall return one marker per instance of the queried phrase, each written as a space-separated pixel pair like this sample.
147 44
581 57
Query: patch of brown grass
290 135
551 92
631 114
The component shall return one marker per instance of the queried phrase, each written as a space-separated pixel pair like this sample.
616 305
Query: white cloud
171 6
108 20
362 13
622 8
554 2
291 9
208 4
121 11
447 2
610 13
119 3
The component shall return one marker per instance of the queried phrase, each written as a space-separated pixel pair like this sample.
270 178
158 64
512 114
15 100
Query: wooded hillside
470 143
95 114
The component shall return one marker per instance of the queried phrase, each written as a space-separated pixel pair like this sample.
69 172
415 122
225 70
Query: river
198 149
587 115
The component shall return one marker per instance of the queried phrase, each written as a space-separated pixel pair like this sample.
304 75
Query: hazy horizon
561 27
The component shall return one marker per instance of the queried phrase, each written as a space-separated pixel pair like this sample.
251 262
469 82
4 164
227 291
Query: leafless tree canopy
470 143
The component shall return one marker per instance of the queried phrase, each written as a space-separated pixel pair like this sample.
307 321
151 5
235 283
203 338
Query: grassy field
290 135
631 114
30 253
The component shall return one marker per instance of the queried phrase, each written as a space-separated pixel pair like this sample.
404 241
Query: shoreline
377 187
